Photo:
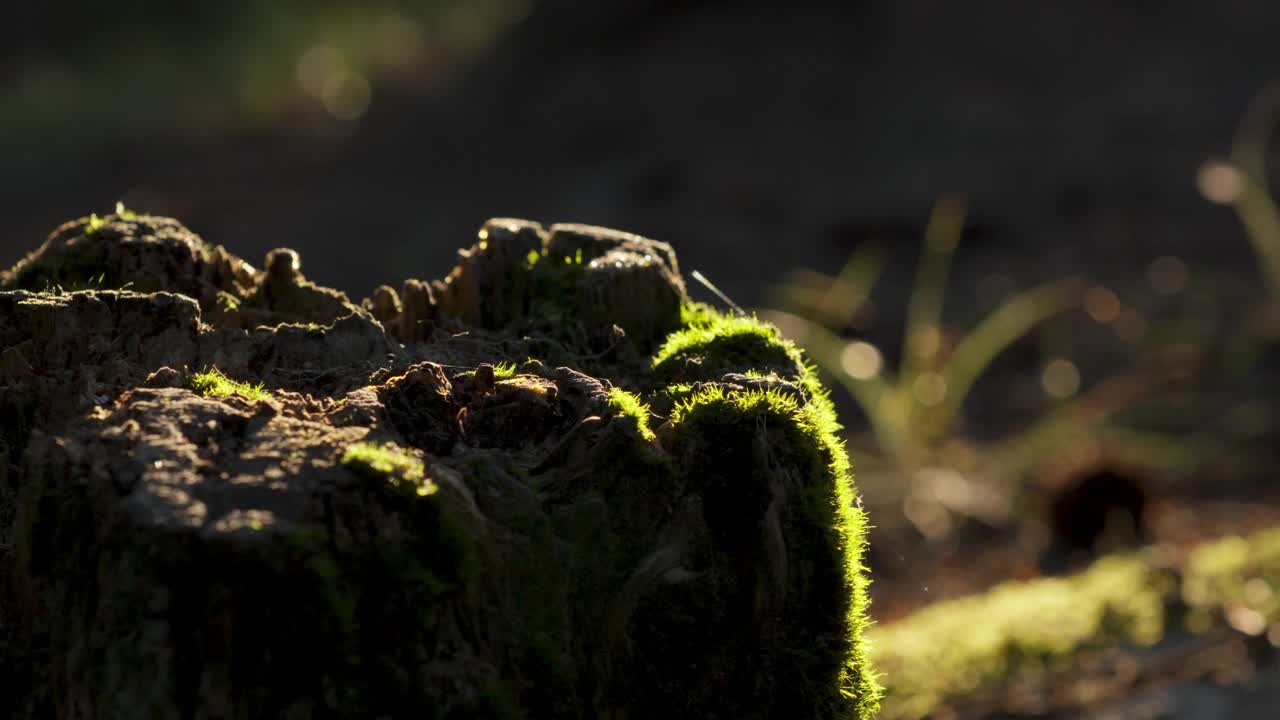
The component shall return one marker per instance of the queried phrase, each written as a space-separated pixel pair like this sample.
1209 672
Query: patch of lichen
739 449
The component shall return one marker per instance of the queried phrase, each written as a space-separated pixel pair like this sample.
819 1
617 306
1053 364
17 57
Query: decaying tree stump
548 485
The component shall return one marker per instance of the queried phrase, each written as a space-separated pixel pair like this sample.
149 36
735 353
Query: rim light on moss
392 462
213 383
628 404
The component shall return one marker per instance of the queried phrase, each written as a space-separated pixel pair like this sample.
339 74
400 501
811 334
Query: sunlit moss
696 313
629 405
125 213
390 462
1236 575
1017 628
713 423
213 383
1018 631
228 302
95 224
714 344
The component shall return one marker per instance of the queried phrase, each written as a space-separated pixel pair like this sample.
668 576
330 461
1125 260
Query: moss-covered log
548 485
1105 642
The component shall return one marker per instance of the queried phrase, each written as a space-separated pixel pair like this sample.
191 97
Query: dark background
375 138
754 138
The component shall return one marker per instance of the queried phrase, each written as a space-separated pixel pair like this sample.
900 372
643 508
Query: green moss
1021 633
1016 629
696 313
715 344
629 405
213 383
95 224
228 302
720 435
392 462
124 213
1235 575
501 371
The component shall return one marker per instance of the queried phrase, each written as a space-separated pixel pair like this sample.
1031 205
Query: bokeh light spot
862 361
317 67
346 95
1060 378
1102 304
930 389
1220 182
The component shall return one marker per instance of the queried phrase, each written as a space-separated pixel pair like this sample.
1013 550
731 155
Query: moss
390 462
629 405
696 313
124 213
731 445
95 224
227 302
1236 579
1015 629
212 383
715 344
1036 633
501 371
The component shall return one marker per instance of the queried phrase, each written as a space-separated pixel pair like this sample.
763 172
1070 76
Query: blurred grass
916 414
1252 196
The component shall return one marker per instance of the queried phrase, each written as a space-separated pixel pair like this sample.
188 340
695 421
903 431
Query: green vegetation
697 313
1014 629
212 383
716 344
915 416
1242 183
95 224
227 302
629 405
714 431
1237 578
124 213
1023 632
389 461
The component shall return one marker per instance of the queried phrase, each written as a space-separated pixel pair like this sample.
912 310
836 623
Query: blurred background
1031 245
